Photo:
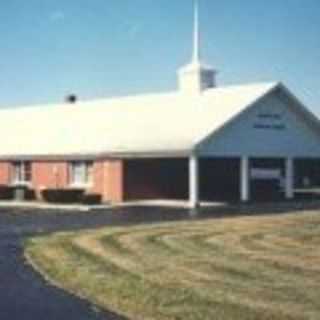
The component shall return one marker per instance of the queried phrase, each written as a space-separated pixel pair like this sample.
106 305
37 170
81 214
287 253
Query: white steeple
196 77
196 34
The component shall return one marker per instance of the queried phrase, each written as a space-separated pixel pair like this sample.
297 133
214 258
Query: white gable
276 126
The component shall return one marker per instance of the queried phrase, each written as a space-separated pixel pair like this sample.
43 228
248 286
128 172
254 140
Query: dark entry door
267 179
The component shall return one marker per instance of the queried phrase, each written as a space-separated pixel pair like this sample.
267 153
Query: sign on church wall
265 174
270 121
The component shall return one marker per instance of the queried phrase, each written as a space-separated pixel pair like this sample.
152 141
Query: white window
22 172
81 173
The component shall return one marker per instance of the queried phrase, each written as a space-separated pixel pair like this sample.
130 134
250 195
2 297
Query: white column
289 179
244 180
193 181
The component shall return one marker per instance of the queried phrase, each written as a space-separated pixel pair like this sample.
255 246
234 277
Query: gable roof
170 123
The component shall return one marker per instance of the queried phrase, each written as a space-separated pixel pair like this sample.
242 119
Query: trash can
20 193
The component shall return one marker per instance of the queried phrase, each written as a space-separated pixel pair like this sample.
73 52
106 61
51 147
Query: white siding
271 128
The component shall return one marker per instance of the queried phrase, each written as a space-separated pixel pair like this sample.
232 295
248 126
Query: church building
201 142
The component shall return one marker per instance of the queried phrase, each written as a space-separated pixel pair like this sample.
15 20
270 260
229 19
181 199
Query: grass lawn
264 267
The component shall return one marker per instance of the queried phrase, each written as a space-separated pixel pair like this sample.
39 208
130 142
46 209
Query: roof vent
71 99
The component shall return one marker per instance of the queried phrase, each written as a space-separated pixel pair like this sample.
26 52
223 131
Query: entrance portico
276 175
280 173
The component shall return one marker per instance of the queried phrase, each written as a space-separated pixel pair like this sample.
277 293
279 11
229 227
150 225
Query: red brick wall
113 188
5 173
49 175
107 177
108 180
98 178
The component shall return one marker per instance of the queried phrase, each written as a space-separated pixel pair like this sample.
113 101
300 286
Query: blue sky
103 48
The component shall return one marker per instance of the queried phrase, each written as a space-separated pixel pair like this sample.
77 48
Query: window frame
84 177
21 173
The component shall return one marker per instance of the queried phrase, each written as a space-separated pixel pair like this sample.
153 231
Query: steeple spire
196 33
196 76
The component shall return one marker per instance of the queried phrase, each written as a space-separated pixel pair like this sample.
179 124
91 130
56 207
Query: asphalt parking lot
24 293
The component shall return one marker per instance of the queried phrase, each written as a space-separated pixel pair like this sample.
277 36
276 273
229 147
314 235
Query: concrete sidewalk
181 204
51 206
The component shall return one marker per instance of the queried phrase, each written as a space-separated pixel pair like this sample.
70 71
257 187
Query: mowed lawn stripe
240 268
